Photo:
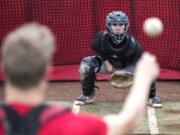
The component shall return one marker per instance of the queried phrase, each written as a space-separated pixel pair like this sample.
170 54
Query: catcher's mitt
121 79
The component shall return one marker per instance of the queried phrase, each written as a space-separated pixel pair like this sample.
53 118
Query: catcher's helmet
117 17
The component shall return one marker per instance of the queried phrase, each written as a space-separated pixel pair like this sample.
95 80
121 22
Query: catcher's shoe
155 102
82 100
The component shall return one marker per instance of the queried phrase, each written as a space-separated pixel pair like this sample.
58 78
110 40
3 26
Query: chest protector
122 55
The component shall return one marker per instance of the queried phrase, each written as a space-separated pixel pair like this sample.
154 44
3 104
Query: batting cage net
76 22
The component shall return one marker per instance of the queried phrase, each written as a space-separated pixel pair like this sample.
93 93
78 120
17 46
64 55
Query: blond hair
27 51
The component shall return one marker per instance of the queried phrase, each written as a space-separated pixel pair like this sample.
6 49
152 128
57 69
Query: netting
76 22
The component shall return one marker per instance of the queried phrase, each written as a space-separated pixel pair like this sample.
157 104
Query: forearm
132 112
107 63
108 66
136 100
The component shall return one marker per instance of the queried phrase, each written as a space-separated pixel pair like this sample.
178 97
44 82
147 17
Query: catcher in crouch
117 50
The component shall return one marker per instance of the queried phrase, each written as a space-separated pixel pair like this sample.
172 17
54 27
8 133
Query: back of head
27 51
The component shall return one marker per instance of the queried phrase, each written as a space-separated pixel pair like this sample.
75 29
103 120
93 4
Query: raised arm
133 110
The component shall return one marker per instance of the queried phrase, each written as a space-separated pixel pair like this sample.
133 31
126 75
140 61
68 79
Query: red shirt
68 124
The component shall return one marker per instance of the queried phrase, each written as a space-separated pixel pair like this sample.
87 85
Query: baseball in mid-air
153 26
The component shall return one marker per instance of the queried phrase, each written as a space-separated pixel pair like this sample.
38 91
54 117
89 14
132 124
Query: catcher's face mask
117 19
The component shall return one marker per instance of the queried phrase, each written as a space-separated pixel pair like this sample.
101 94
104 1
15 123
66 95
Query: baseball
153 26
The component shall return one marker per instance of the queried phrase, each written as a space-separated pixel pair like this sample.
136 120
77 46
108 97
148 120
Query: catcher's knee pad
84 68
89 64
